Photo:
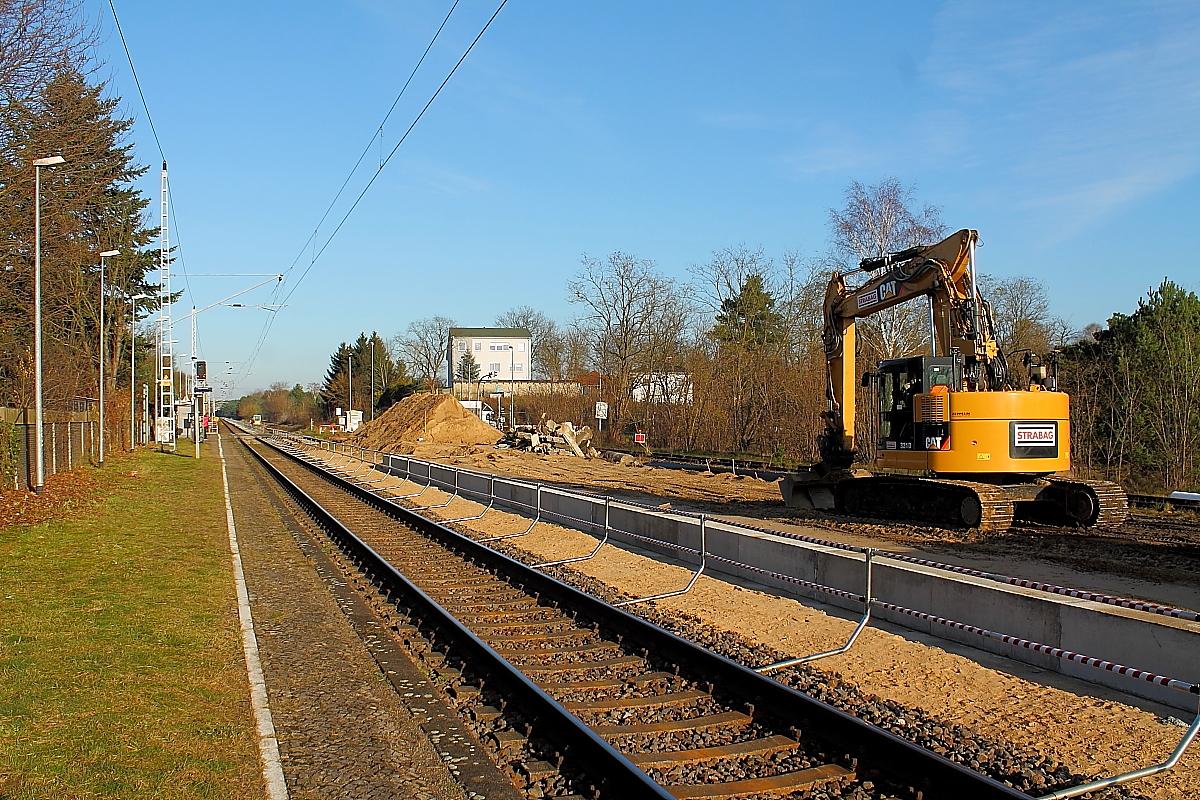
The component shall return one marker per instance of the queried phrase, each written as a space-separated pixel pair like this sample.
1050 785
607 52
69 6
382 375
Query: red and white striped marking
1057 652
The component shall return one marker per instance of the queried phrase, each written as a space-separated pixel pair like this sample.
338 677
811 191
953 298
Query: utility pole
372 377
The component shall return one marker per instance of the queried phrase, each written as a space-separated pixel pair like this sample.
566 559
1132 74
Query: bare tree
874 221
567 353
423 349
543 332
725 274
635 315
1021 312
39 38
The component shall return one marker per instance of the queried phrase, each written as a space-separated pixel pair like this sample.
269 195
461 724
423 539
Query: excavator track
1111 502
953 503
996 507
987 507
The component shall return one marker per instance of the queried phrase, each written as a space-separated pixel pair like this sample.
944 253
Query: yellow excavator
957 444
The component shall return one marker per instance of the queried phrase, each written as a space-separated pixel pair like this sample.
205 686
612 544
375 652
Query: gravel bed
691 740
751 767
1024 769
619 692
532 656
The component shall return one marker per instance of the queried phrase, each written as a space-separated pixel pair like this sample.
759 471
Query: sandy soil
424 418
1151 557
1090 729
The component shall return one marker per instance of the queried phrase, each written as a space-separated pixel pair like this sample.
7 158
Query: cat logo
888 290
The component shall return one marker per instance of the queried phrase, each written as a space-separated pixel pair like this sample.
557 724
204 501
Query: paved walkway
342 729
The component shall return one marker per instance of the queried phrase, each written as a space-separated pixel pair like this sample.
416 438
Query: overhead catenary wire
157 141
269 323
379 136
112 7
409 130
312 238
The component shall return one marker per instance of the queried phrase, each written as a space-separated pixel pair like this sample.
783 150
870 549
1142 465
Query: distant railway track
1157 501
577 697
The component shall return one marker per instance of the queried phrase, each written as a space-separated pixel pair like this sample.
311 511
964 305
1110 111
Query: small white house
662 387
350 422
501 353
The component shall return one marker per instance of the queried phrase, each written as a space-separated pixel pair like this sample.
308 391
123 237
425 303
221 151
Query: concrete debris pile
551 438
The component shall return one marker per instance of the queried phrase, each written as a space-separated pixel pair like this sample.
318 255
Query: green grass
121 673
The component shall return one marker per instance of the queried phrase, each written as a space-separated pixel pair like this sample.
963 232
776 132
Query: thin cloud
1100 103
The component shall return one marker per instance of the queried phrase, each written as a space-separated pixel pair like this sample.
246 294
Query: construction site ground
1089 728
1153 556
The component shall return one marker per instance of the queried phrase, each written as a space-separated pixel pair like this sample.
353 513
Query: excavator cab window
886 396
900 380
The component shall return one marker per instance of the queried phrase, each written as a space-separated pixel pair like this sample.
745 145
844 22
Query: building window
479 345
494 368
520 347
518 367
462 346
499 346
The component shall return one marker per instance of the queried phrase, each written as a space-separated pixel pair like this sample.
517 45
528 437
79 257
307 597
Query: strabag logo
868 298
1033 439
1032 434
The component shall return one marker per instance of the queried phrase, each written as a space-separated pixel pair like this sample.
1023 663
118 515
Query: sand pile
425 418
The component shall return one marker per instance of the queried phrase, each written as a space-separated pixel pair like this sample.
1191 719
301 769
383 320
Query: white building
502 354
662 387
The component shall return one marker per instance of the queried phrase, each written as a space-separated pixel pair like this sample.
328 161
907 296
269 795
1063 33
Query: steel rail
936 776
605 765
1158 501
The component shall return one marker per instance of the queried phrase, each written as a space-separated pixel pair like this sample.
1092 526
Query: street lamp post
37 312
133 366
104 255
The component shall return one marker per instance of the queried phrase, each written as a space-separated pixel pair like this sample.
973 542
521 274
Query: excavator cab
910 393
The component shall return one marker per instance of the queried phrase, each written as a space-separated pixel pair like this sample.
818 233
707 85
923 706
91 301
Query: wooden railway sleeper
787 782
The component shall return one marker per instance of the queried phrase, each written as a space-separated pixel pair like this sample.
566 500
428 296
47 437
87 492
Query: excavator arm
944 272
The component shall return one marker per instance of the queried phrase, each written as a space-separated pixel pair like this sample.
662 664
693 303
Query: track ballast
576 697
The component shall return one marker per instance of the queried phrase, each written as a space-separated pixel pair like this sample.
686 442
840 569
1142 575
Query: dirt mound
426 418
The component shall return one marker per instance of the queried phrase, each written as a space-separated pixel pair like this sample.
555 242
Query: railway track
576 697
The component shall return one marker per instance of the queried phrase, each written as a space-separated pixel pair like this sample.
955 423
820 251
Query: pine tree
392 381
467 370
88 205
749 320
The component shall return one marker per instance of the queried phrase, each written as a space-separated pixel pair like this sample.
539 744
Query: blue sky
1066 133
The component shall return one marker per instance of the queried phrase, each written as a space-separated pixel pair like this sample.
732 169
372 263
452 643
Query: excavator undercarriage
948 502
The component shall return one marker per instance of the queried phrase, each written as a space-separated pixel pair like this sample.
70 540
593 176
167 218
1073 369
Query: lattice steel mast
165 428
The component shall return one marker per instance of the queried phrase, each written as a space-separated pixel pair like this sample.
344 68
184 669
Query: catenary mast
165 429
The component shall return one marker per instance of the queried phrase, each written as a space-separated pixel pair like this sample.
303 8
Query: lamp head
110 253
49 161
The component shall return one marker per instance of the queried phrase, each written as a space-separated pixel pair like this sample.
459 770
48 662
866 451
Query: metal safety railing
869 554
867 599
